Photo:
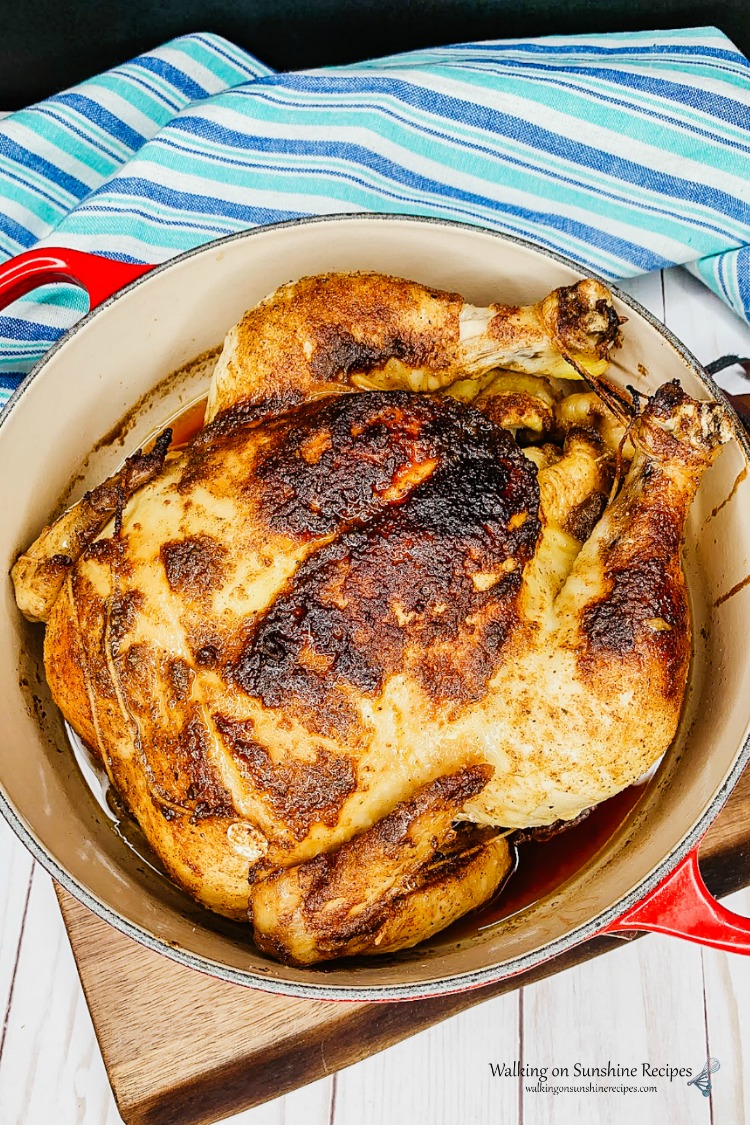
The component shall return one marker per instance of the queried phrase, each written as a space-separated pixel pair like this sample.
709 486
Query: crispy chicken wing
329 651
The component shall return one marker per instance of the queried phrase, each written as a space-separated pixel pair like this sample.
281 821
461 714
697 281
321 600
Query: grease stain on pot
715 511
735 590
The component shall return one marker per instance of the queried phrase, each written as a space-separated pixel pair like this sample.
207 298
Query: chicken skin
330 650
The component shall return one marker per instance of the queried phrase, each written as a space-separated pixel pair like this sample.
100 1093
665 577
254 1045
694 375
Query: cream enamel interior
84 388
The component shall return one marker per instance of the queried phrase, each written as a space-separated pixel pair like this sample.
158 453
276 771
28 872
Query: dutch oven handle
683 906
100 277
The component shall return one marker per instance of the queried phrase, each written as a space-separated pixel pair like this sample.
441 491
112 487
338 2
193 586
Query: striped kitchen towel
625 152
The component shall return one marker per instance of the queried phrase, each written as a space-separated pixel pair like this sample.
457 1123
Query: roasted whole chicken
412 586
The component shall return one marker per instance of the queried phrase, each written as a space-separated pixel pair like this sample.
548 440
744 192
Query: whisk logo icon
703 1080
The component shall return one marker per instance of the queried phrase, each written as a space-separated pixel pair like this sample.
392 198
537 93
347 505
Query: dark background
46 45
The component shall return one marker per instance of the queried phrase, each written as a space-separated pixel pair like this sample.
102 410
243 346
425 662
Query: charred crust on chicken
300 793
194 565
583 316
397 589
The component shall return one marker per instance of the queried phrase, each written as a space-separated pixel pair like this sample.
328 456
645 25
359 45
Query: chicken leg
396 884
324 335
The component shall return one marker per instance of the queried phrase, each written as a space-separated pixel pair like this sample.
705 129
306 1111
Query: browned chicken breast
329 651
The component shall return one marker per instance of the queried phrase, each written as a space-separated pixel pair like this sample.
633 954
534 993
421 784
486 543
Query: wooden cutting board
184 1049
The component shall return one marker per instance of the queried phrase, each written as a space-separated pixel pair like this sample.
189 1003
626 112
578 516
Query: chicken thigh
329 651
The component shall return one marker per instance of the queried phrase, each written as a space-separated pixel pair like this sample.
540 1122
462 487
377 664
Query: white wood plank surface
51 1068
727 999
442 1075
312 1105
640 1004
656 1000
15 877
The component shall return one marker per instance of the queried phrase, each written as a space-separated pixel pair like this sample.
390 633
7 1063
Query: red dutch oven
141 356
